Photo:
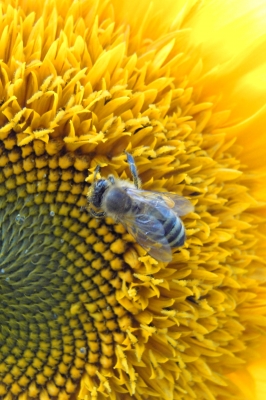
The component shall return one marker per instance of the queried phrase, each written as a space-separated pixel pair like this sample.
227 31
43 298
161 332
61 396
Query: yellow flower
85 313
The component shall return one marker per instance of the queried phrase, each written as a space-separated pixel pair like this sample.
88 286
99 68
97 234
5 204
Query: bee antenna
133 169
97 169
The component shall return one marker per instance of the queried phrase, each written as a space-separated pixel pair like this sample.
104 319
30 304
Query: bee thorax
116 201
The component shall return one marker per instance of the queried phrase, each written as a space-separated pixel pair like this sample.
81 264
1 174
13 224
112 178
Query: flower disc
58 279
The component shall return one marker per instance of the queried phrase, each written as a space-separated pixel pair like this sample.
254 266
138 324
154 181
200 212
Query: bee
152 218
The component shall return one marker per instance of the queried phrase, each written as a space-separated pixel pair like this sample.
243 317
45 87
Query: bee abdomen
174 231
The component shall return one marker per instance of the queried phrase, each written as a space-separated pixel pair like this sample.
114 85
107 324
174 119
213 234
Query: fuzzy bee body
151 217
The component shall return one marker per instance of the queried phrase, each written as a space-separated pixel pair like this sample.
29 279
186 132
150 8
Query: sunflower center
58 279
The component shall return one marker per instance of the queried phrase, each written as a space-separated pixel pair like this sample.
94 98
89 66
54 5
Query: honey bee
152 218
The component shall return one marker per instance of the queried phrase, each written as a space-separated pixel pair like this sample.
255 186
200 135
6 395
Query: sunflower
85 312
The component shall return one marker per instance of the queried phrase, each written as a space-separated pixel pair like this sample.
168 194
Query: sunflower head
86 313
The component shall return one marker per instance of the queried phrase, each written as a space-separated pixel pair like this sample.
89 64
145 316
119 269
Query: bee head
96 192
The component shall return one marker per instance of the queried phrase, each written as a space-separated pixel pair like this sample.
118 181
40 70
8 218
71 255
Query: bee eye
97 192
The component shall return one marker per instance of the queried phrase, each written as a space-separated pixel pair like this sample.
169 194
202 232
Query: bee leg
95 214
133 169
111 179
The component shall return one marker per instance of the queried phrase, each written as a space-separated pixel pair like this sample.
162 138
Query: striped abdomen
174 230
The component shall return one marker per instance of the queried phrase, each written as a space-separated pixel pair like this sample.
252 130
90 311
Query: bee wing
149 233
179 204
